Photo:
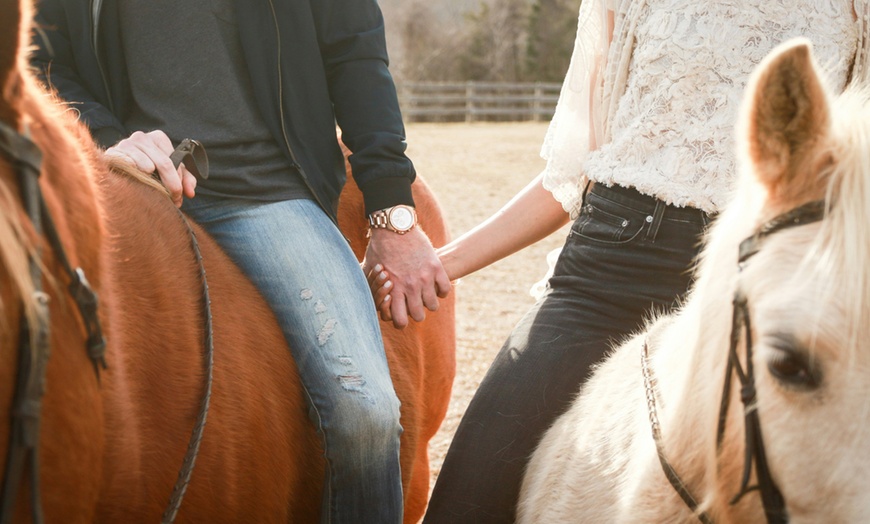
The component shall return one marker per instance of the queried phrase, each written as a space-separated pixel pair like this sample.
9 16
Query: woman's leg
305 269
616 266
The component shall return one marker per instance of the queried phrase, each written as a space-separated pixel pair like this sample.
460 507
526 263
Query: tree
497 33
430 43
551 31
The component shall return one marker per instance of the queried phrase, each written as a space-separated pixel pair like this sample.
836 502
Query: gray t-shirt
188 78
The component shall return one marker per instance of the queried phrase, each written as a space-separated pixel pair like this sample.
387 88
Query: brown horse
111 449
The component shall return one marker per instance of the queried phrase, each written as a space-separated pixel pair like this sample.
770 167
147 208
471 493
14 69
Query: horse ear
787 117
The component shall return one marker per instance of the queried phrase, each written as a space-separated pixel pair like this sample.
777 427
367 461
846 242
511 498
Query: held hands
150 152
416 276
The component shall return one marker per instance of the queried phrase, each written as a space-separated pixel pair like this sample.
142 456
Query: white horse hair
808 292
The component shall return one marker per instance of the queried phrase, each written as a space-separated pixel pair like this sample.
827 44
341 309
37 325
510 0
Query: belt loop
655 220
585 192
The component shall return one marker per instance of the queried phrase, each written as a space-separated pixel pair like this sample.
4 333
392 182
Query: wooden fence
477 101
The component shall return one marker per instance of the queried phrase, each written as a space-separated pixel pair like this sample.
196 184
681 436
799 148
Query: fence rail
477 101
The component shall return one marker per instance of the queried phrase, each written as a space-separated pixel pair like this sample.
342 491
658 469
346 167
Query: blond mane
842 247
16 252
125 168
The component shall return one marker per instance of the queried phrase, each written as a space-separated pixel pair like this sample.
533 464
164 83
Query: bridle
771 497
34 347
33 350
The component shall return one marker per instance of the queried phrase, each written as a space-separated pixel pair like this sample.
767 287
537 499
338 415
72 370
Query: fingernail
386 298
382 276
388 284
378 267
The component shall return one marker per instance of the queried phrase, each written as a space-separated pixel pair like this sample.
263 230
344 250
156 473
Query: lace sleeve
569 136
861 68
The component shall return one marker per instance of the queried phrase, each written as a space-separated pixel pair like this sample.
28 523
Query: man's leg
308 274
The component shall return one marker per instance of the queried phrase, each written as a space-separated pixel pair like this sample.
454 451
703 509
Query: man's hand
150 153
416 275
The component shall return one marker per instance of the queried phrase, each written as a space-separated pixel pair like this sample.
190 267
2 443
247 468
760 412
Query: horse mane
17 248
842 246
839 251
128 170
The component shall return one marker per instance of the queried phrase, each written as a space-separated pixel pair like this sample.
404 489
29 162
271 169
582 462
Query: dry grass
475 169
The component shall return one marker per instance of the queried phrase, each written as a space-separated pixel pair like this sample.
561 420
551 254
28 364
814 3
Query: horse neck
72 402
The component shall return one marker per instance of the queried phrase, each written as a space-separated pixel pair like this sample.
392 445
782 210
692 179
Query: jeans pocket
606 224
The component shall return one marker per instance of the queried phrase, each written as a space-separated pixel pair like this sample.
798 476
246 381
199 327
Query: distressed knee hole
326 331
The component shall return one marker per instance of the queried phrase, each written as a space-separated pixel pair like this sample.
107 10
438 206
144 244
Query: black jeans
627 254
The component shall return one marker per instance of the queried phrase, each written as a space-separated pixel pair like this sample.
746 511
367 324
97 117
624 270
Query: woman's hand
380 284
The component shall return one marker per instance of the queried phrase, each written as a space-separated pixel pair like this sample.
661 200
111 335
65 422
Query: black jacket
333 68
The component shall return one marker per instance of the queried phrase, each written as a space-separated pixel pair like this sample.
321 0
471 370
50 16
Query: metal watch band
378 219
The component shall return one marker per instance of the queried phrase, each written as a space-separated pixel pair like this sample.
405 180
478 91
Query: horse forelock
840 252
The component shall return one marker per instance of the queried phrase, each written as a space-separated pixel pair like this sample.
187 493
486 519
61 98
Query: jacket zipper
96 6
296 163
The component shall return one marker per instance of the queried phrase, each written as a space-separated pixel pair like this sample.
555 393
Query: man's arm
61 46
354 54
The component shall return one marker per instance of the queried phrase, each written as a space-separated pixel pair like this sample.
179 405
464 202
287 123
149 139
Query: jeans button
649 218
624 223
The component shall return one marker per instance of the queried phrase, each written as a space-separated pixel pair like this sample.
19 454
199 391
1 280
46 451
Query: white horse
800 327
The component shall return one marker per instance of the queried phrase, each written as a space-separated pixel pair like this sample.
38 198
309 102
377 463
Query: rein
771 497
195 160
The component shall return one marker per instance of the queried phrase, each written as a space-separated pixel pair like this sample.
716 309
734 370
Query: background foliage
483 40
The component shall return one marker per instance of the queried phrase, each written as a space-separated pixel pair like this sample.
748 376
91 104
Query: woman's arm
529 216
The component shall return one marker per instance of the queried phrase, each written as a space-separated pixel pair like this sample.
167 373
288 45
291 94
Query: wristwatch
400 219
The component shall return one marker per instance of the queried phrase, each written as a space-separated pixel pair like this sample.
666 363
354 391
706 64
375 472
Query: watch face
401 218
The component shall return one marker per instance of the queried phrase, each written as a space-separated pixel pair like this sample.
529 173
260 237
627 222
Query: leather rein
771 497
22 459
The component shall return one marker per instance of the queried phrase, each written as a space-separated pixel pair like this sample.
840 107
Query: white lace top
658 113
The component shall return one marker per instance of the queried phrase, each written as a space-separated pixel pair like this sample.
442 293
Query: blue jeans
306 271
626 254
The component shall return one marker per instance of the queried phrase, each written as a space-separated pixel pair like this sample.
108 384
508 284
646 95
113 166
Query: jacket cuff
106 137
385 192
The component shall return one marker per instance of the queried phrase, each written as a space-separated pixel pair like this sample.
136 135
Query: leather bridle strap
806 214
28 159
669 471
22 459
771 497
34 348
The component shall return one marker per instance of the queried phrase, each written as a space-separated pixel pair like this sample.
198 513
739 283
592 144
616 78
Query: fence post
469 101
536 106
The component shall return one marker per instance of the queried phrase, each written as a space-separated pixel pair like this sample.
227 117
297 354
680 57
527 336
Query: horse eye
793 368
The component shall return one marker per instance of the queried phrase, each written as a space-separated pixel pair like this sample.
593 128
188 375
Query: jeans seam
656 221
578 235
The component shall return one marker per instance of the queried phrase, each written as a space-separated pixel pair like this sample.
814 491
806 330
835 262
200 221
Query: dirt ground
474 170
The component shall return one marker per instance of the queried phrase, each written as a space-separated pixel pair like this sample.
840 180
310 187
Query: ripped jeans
306 271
